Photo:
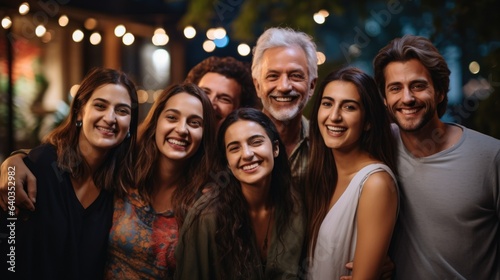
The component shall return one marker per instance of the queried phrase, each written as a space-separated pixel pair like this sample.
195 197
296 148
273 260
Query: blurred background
47 46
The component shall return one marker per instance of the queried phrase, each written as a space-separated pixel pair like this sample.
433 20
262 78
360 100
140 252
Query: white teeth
284 99
105 129
336 128
409 111
251 166
177 142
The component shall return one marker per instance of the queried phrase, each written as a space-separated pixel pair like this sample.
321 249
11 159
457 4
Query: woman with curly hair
249 226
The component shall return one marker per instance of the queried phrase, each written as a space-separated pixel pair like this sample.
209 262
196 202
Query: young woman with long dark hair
249 225
351 192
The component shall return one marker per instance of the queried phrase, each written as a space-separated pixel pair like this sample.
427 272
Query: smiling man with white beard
284 71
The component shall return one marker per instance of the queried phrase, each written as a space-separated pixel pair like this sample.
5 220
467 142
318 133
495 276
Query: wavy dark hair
198 165
234 233
415 47
230 68
377 141
116 172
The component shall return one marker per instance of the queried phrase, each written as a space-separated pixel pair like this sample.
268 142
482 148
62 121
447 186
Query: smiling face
340 116
250 153
283 84
409 95
179 129
223 92
105 119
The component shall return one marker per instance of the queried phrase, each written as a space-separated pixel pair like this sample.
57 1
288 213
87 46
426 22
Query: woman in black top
78 168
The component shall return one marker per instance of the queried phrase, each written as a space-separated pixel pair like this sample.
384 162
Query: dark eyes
257 142
348 107
99 106
195 123
326 104
293 76
171 117
121 110
414 87
394 88
224 99
252 142
418 87
272 77
297 77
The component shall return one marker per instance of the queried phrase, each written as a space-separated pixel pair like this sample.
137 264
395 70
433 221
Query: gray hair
285 37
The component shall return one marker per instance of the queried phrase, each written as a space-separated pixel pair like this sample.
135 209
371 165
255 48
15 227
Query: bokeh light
47 37
90 23
142 96
209 46
219 33
319 19
220 43
73 90
6 22
24 8
95 38
474 67
324 13
63 20
120 30
128 39
243 49
77 35
211 33
40 30
189 32
321 57
160 37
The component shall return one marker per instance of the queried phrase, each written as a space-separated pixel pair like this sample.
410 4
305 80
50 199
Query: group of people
215 184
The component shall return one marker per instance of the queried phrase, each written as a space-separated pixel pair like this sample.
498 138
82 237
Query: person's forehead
282 55
244 129
219 83
408 70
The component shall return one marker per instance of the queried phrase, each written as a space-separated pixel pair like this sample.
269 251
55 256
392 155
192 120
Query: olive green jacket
197 256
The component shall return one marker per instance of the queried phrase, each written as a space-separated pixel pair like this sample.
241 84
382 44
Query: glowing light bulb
189 32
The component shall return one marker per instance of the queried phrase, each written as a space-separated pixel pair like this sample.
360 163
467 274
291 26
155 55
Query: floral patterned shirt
141 241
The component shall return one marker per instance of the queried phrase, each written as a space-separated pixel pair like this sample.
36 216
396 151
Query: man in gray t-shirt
449 221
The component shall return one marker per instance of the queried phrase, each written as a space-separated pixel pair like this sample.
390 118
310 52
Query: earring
367 127
128 134
79 123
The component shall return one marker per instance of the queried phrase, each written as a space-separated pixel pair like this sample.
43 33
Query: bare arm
23 179
376 217
386 270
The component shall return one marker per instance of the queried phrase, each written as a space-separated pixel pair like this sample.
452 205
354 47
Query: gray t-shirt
449 220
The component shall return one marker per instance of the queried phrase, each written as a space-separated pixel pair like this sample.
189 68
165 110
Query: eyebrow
226 95
222 93
393 84
179 112
342 101
411 82
107 102
249 139
206 89
287 68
